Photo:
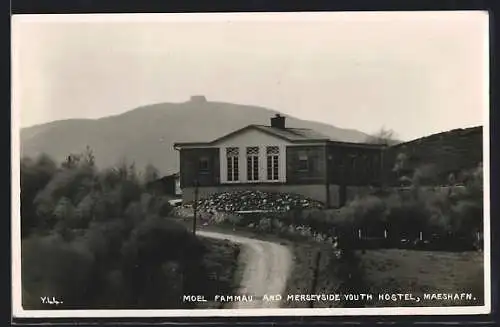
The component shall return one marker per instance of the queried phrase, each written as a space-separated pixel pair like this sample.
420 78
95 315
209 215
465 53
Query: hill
447 153
146 134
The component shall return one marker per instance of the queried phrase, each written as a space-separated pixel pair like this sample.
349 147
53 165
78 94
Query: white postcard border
19 312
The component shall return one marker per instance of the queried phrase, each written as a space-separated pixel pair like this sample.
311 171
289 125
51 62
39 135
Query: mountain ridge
145 134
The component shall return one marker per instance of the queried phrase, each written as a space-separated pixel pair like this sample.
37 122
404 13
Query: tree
72 161
151 173
88 157
425 175
35 174
383 136
401 169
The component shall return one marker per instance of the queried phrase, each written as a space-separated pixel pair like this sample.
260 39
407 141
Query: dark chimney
278 121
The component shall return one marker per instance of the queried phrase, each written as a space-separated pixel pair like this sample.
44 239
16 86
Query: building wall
334 194
177 188
316 171
252 138
345 181
189 163
354 166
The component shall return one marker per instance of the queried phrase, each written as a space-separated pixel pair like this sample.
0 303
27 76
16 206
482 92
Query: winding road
266 265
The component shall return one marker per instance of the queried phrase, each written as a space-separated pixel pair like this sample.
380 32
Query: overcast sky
416 72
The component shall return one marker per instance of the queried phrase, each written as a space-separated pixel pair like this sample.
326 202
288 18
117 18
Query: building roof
290 134
293 135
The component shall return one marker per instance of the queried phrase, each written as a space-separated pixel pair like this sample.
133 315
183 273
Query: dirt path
266 268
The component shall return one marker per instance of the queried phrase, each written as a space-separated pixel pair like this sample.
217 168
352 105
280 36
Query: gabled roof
292 135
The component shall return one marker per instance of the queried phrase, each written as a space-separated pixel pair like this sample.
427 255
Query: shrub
35 174
105 239
54 267
368 213
265 225
157 240
235 220
100 240
406 217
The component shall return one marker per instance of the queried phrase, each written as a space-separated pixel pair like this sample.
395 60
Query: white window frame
253 164
273 164
232 165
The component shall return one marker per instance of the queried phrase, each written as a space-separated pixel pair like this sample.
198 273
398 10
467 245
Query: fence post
195 206
328 159
315 276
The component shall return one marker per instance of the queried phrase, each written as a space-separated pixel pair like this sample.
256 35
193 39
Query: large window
253 163
232 155
204 165
273 153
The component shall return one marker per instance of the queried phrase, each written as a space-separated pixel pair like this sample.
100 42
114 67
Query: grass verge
384 271
423 272
221 264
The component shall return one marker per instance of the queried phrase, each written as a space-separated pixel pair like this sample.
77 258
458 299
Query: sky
417 73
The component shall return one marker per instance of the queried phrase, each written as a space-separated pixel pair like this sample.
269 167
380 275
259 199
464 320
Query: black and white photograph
250 164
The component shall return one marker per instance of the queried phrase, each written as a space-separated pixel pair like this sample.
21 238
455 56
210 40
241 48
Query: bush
398 213
35 174
157 240
97 239
265 225
54 267
406 218
368 211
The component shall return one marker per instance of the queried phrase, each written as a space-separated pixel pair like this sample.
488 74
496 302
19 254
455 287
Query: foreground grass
303 254
221 263
419 272
384 271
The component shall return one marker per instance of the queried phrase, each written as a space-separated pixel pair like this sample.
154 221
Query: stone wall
315 192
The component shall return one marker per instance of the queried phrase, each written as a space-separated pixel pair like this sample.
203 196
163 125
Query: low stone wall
315 192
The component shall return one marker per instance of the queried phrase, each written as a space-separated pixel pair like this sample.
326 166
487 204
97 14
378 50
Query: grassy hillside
438 155
146 134
420 272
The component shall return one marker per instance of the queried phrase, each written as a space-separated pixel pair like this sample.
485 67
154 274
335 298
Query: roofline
358 145
177 145
263 128
247 128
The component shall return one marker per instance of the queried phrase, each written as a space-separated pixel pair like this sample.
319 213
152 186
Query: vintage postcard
277 164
